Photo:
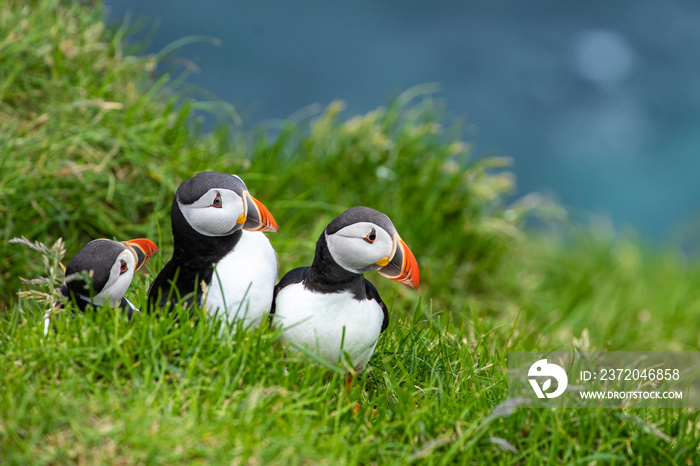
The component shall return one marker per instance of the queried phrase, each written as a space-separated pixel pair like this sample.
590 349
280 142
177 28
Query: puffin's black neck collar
326 276
194 250
82 302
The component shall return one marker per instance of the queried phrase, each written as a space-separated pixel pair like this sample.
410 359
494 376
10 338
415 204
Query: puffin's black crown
360 214
192 189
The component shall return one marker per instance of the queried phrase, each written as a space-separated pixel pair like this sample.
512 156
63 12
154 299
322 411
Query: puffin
102 272
329 309
221 259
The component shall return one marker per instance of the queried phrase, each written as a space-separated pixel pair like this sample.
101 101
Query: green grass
93 144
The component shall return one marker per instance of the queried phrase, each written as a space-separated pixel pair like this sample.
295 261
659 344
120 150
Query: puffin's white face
219 212
361 247
120 276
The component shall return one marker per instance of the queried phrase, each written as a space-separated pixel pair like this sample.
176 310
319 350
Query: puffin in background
221 259
330 309
111 266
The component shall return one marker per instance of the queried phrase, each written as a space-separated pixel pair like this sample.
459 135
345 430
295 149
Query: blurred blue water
598 102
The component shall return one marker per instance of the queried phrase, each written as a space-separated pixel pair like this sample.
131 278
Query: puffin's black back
194 257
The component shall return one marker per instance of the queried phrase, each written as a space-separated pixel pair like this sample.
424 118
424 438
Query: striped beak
402 266
257 217
142 248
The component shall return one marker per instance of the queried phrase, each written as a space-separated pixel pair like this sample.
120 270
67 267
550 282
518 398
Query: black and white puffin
221 259
330 309
109 267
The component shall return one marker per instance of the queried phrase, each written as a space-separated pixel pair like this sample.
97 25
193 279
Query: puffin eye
218 202
371 236
123 267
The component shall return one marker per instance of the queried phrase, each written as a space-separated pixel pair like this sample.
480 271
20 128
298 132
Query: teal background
597 103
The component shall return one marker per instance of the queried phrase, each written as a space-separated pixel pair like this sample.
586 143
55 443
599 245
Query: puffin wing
160 288
372 293
185 282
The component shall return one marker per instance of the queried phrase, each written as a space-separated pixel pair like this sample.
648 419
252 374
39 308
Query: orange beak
402 266
257 217
142 248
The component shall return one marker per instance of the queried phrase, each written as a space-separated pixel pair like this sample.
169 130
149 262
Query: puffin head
110 265
363 239
218 204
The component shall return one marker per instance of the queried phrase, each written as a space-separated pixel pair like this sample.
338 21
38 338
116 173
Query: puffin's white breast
329 324
244 280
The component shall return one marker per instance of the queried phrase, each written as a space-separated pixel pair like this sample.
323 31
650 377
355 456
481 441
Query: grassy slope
91 146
